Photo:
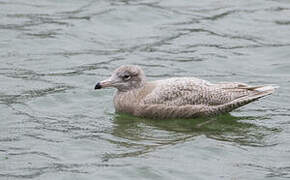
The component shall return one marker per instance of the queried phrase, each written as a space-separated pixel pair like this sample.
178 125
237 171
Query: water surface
53 125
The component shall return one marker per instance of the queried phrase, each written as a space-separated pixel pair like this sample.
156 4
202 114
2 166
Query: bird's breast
125 102
129 101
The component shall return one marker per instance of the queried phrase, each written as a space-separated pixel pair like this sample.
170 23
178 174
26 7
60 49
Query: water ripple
52 122
30 94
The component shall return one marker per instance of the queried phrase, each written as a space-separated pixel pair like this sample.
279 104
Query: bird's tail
267 88
257 93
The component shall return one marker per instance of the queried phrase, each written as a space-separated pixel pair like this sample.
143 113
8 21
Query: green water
54 125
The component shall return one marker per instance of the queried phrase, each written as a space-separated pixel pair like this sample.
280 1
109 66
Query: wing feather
193 91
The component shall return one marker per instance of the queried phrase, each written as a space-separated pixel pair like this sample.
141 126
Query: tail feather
258 92
257 88
267 88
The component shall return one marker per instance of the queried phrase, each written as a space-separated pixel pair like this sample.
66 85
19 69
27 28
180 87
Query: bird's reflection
140 136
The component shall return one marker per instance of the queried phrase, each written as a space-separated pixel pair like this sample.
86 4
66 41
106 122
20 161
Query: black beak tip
98 86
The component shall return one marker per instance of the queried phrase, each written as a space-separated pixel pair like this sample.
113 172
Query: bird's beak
104 84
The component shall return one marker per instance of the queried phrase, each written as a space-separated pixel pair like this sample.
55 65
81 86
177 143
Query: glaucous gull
184 97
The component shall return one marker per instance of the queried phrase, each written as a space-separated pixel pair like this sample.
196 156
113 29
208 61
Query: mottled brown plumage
177 97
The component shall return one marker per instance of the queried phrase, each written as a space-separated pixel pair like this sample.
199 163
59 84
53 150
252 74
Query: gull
178 97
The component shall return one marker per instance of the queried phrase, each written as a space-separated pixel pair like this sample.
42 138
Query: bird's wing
192 91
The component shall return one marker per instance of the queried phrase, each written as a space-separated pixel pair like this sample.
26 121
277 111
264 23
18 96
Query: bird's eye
126 77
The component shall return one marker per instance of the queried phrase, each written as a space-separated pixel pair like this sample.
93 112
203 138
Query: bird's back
193 91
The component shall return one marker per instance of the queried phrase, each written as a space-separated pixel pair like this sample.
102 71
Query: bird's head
124 78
